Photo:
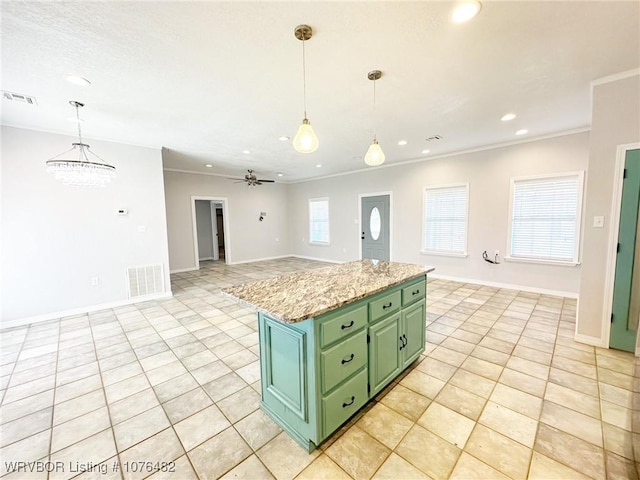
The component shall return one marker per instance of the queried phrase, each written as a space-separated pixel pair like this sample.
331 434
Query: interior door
626 288
375 227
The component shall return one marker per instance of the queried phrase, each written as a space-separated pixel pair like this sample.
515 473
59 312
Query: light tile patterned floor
502 391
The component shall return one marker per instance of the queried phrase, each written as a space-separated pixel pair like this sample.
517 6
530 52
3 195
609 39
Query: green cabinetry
319 372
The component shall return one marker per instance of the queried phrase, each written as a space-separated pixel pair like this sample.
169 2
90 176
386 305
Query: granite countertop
297 296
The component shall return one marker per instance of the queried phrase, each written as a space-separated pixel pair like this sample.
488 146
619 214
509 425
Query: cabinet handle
347 361
416 292
405 339
402 345
388 305
349 325
345 405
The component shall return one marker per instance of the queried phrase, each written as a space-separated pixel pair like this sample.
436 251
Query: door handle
347 361
345 404
348 325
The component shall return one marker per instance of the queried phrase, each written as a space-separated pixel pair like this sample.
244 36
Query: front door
375 227
626 288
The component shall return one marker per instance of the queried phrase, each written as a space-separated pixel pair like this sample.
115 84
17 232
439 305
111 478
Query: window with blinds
444 228
319 220
545 218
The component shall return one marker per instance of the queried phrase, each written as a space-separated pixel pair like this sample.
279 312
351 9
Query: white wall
249 239
55 238
488 173
615 121
205 229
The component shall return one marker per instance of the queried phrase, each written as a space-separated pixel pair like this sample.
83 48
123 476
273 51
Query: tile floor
502 391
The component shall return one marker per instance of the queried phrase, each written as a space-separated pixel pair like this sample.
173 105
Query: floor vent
145 280
18 97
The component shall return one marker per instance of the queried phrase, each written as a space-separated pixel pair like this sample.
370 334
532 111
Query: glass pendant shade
305 140
375 155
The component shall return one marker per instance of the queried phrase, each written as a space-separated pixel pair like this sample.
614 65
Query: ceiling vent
18 97
434 138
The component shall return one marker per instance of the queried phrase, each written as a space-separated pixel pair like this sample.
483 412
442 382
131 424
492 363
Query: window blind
319 221
544 219
445 219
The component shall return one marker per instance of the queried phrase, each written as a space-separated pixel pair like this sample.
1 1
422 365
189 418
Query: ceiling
209 80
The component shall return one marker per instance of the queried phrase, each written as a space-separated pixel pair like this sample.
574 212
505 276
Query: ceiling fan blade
229 178
267 181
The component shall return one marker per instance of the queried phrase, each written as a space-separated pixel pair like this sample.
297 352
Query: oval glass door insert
374 223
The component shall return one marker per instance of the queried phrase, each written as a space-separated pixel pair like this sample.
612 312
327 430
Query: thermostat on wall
123 211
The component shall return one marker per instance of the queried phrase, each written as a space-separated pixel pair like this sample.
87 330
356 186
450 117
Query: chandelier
79 166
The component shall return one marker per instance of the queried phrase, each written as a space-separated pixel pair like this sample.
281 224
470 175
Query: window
545 218
444 228
319 221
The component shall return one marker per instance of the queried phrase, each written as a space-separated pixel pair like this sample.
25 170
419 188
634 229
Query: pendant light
375 155
305 140
79 166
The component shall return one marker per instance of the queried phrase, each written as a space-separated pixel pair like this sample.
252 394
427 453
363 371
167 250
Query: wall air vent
145 280
19 97
434 138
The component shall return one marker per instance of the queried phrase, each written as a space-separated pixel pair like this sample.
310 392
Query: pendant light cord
374 109
304 80
78 120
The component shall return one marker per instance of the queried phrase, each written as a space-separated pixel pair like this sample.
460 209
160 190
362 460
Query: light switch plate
598 222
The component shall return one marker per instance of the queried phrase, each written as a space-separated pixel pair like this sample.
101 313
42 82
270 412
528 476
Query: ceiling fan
251 180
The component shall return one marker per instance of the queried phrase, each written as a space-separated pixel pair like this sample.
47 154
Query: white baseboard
510 286
17 322
259 259
182 270
305 257
589 340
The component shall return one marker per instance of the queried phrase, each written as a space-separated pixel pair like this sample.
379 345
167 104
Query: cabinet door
413 332
384 353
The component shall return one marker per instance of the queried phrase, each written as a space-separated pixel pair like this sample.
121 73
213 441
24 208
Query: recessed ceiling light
280 174
402 143
318 166
246 152
465 11
76 80
508 117
283 138
522 131
425 151
208 165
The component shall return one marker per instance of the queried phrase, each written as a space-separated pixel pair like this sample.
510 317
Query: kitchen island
332 338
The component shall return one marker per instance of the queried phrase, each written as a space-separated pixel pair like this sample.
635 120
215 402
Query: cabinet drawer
344 402
343 360
413 292
338 326
384 305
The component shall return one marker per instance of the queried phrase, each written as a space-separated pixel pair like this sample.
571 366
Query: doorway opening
210 230
624 260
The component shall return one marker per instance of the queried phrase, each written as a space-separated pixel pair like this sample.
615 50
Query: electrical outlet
95 281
